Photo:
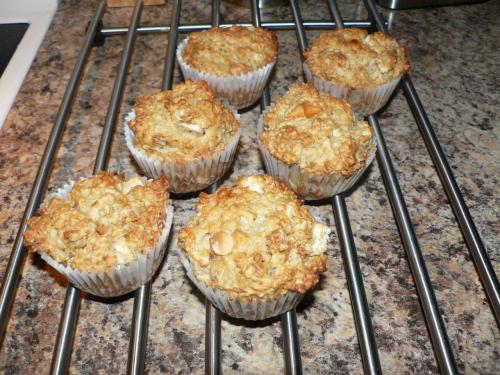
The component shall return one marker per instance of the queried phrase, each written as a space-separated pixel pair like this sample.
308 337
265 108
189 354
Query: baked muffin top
255 240
230 51
105 221
317 132
355 59
183 124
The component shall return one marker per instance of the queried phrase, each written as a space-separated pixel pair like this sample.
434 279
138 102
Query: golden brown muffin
355 59
231 51
255 240
317 132
183 124
106 220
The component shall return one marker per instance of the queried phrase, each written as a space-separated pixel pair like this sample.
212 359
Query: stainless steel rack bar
18 255
423 284
273 25
212 339
168 72
64 343
366 337
139 333
291 341
466 223
66 333
291 344
142 298
212 314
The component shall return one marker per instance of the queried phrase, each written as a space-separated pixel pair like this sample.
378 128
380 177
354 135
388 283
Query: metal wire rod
102 158
62 350
142 299
139 335
168 73
18 254
291 344
215 13
212 339
66 332
291 340
335 12
423 284
212 329
368 346
361 312
417 265
466 223
274 25
212 314
257 22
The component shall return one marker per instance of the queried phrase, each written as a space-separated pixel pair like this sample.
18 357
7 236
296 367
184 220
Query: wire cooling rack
291 342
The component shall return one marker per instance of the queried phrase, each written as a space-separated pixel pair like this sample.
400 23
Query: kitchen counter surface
455 54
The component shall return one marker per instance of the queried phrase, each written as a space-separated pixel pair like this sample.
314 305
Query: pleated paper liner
245 308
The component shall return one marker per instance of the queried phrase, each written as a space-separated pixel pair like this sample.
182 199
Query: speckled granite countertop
455 52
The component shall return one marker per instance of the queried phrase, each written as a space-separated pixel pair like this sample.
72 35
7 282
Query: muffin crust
255 240
183 124
352 58
231 51
317 132
107 220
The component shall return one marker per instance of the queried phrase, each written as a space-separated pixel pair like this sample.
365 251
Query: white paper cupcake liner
307 185
240 91
184 177
362 101
249 309
121 279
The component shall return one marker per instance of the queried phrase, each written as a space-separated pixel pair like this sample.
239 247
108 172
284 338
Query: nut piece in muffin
231 51
355 59
255 241
183 124
106 221
317 132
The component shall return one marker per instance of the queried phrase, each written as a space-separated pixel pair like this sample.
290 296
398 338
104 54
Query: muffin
185 134
106 234
253 249
313 143
236 61
362 68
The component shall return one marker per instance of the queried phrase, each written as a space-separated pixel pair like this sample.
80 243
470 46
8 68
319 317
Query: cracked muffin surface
105 221
183 124
255 239
230 51
354 59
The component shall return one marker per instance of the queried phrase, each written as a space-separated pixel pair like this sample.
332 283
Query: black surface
10 37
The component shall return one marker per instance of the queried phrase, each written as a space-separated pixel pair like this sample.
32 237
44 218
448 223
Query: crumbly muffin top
105 221
183 124
230 51
355 59
255 240
317 132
